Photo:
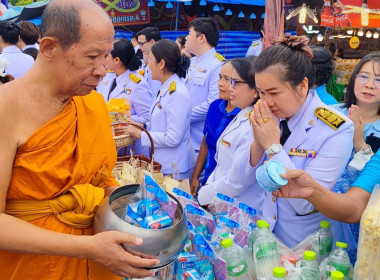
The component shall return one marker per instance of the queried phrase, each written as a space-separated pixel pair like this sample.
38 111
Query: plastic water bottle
338 260
336 275
255 232
237 267
279 273
325 239
309 266
265 251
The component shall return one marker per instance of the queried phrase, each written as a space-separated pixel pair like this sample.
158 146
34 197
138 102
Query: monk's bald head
65 19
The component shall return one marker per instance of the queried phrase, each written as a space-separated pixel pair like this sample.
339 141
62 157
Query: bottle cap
341 245
336 275
279 272
262 224
227 243
324 224
309 255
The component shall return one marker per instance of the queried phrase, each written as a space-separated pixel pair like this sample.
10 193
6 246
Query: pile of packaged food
231 241
344 69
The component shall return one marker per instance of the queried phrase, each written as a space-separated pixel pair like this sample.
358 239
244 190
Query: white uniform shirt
292 220
232 153
19 63
255 49
202 83
170 127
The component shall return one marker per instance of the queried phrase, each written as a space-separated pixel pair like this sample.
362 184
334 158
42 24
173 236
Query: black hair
9 32
168 51
123 49
182 40
33 52
150 33
350 96
134 35
6 79
206 26
323 65
29 32
243 67
295 64
63 22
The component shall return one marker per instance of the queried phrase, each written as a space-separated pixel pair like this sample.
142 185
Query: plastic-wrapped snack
368 263
202 220
184 198
153 191
223 205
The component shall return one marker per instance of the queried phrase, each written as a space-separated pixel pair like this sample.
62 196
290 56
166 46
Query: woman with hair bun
170 112
125 81
19 63
294 127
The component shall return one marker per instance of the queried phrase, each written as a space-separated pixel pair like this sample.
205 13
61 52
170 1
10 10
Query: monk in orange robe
57 154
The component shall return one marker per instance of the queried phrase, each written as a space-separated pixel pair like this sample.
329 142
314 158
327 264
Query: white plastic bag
368 264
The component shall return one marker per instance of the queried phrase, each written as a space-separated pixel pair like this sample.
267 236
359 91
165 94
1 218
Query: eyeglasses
364 79
142 43
234 83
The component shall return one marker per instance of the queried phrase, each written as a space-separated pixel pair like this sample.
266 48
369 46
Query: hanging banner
126 12
351 13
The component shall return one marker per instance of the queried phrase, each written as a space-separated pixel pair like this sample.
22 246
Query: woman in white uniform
19 63
125 81
234 142
312 137
170 112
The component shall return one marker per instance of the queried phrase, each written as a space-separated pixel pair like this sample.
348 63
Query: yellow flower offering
119 109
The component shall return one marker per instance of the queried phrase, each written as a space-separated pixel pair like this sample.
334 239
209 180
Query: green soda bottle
338 260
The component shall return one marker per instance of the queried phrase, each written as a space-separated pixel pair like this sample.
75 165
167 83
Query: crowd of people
217 120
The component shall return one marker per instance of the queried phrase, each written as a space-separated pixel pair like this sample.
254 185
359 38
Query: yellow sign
354 42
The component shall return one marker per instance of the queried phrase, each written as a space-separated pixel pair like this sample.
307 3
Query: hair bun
296 42
12 25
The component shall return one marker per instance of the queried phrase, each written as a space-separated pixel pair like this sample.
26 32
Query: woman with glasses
362 106
220 113
294 127
234 141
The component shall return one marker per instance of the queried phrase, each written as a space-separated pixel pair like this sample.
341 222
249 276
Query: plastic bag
368 263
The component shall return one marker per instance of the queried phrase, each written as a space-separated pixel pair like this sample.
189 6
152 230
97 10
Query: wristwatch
273 149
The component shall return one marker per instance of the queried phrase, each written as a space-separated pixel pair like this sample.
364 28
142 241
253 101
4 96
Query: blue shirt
348 177
370 176
326 98
217 120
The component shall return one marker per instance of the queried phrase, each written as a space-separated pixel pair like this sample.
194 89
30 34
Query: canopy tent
237 2
25 12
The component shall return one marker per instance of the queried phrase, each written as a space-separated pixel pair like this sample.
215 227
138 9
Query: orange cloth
74 148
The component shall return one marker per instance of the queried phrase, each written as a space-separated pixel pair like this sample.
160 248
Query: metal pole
177 17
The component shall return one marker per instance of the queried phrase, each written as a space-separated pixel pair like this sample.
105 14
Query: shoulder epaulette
329 117
255 44
220 57
172 87
134 78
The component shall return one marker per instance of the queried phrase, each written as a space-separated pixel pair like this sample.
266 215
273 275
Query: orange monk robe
68 150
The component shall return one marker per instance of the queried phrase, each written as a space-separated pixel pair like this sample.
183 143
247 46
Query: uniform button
189 79
274 199
274 217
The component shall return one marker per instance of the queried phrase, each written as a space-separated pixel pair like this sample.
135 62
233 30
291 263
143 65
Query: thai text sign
126 12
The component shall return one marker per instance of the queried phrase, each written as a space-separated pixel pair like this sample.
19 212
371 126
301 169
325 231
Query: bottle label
238 268
332 267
